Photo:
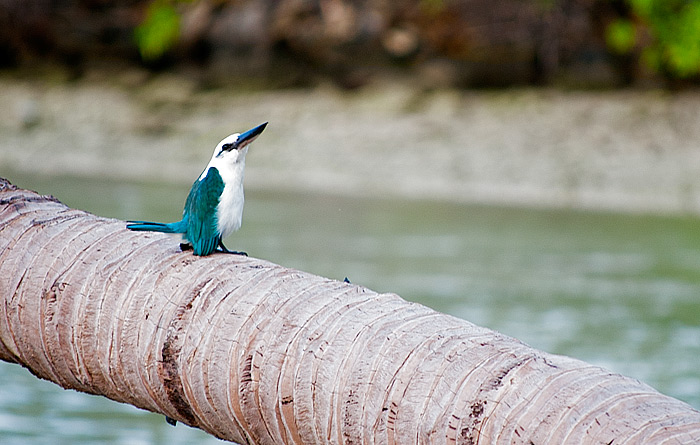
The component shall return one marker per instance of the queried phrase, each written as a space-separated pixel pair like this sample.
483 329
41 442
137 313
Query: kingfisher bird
214 206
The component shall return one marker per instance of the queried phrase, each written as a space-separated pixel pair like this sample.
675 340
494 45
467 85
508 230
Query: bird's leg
225 250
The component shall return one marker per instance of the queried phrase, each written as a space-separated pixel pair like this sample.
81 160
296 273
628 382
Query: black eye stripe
227 147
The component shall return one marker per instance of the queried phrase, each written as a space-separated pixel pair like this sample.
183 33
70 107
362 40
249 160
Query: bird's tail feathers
148 226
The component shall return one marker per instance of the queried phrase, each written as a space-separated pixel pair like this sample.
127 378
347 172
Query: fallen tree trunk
253 352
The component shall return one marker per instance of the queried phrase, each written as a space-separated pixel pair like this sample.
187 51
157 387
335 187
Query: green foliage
674 26
621 36
433 6
159 31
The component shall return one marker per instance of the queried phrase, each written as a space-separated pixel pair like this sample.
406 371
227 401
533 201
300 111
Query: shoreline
625 151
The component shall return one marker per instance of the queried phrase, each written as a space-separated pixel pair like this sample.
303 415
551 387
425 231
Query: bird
214 207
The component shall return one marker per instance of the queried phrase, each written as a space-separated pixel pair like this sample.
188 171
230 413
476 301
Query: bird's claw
225 250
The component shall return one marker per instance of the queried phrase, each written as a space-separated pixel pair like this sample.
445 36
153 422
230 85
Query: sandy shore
619 150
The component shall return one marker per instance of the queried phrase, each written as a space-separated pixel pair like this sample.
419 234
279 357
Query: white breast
230 208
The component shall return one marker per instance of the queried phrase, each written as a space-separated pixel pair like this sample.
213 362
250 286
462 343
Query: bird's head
232 149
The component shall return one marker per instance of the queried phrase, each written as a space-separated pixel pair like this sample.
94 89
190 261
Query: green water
620 291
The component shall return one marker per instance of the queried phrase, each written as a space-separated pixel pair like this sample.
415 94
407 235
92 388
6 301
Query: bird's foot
185 246
234 252
171 421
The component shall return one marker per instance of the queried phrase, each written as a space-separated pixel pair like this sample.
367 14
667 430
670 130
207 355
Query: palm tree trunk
252 352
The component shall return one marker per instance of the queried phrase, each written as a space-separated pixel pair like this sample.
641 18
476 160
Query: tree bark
252 352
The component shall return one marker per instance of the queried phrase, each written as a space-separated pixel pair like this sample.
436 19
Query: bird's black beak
249 136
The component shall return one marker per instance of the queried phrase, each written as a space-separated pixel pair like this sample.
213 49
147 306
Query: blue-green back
200 213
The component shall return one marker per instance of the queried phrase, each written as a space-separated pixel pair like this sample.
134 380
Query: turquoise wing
200 213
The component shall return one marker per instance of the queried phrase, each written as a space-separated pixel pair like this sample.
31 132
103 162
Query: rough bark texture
253 352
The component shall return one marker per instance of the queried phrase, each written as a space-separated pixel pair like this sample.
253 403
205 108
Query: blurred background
532 166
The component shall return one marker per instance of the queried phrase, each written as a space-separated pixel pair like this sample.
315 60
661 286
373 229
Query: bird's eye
227 147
